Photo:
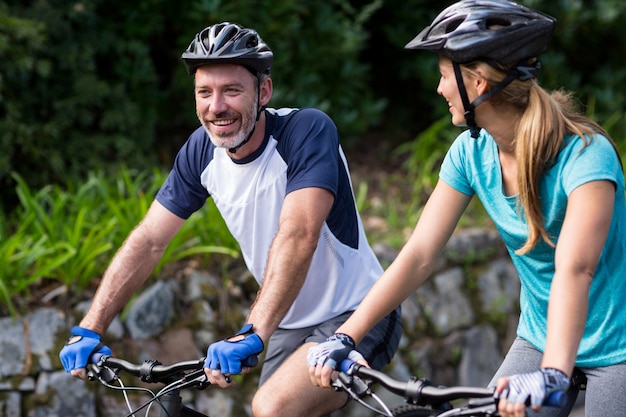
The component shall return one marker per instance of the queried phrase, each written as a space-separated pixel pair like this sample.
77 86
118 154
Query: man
280 180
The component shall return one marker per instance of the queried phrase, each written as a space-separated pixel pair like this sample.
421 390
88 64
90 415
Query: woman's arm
580 243
414 263
407 272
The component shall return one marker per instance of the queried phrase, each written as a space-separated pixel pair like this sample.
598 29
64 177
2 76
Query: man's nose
218 103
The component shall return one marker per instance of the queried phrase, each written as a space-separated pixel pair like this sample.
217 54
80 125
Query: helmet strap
523 71
470 116
258 116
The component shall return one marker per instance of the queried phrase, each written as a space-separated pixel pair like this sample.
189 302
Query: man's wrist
84 332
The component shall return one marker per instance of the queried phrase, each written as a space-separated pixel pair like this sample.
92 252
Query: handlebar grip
345 365
95 357
556 399
250 361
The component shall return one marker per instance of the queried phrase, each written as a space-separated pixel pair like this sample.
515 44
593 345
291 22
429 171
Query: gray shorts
378 347
605 393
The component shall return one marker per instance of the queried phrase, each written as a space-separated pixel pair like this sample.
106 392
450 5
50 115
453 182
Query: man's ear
265 92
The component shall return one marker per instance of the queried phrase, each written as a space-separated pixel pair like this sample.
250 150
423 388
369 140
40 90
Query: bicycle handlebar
418 391
153 371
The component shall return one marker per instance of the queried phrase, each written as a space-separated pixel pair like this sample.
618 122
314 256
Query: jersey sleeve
183 193
597 161
454 169
310 143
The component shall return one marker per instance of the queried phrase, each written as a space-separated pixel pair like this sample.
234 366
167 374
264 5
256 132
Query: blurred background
95 102
92 84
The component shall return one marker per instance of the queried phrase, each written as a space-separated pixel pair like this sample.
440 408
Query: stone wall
457 327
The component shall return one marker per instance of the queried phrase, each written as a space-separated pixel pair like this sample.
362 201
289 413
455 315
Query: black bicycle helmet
502 31
228 43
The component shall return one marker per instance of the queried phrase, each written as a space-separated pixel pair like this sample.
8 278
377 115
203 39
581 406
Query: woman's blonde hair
547 118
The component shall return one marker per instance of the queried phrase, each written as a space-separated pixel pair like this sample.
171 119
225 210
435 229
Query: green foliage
74 95
26 260
62 218
86 85
69 234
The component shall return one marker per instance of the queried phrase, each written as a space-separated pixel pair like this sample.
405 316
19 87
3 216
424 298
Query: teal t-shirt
472 166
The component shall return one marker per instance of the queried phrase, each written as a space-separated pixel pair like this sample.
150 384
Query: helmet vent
496 23
252 42
451 27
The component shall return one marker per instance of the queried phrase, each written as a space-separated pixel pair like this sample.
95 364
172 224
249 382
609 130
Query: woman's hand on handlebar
323 359
533 388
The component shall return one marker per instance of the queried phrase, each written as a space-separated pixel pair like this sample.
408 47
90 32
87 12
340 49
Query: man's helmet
497 30
228 43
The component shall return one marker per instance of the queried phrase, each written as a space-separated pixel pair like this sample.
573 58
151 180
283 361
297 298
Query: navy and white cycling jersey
300 149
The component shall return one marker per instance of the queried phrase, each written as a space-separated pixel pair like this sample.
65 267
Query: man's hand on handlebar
231 356
79 348
326 357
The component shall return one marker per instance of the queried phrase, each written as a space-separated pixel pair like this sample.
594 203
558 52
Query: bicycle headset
230 43
503 34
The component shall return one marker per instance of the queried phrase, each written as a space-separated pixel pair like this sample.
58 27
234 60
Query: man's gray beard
227 142
237 139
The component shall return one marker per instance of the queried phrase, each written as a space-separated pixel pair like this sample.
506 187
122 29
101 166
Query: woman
553 184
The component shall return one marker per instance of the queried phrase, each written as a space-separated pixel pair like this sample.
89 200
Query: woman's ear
480 84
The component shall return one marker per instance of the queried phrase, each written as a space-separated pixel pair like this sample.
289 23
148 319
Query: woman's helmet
501 31
228 43
504 34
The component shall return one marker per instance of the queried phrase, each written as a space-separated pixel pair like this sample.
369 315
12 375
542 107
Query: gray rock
445 303
59 395
151 311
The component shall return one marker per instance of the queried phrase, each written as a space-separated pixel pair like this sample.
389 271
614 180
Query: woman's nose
439 91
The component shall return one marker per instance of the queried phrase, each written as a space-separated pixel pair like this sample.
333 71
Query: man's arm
301 219
132 265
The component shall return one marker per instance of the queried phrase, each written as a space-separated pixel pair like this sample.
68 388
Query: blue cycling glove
534 387
77 351
333 351
227 355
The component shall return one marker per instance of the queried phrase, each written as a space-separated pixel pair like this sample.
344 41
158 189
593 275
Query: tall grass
69 234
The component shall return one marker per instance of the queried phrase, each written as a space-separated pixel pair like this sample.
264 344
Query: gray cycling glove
333 351
535 387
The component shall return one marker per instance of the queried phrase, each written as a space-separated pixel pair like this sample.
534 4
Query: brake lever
104 373
196 378
476 406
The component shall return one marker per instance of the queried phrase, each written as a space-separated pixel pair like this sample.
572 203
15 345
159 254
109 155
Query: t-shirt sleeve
183 193
310 143
454 168
597 161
